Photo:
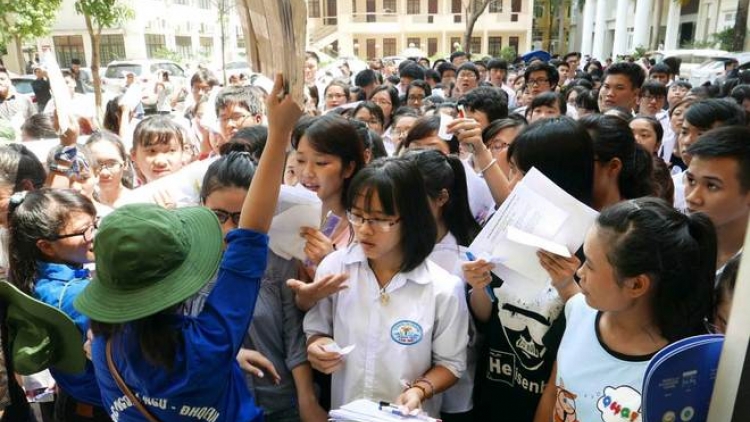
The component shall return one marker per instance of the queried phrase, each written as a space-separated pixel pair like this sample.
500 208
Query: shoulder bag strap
124 388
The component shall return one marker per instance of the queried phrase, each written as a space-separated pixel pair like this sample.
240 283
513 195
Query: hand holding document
297 208
364 410
537 215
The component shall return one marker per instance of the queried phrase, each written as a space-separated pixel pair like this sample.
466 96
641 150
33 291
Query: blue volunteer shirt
206 383
58 285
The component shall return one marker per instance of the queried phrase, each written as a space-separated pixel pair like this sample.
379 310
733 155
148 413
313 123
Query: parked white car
713 69
145 72
691 59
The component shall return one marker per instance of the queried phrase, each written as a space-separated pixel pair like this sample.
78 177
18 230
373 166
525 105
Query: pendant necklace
384 296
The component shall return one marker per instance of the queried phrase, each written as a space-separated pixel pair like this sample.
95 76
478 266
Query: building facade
607 28
160 28
382 28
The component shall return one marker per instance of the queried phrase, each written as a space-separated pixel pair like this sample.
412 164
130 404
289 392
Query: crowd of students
186 314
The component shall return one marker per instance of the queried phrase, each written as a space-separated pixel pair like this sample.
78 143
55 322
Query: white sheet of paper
297 208
528 239
445 120
538 207
183 186
343 351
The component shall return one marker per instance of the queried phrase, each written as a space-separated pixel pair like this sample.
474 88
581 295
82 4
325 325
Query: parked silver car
145 72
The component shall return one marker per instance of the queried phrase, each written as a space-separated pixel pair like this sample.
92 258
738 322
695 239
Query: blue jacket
206 383
58 285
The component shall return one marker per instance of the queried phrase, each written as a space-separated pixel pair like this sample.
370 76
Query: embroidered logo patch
406 332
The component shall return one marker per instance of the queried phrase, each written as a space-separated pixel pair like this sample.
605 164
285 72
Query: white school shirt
449 255
593 382
423 324
680 204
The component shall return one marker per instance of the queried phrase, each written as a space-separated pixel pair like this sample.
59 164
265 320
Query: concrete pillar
600 30
620 43
589 8
641 30
673 26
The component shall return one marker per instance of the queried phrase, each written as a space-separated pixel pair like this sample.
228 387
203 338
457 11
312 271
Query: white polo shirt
424 323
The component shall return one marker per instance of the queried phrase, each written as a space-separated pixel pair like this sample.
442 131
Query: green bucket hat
149 259
40 335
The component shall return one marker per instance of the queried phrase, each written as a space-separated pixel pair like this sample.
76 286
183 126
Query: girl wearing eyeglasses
406 315
273 353
51 239
112 168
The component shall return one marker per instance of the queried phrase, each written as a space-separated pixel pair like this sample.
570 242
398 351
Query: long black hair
400 187
562 150
613 138
446 172
39 214
676 251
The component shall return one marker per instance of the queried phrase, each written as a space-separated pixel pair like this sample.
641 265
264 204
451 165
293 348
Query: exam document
537 214
297 207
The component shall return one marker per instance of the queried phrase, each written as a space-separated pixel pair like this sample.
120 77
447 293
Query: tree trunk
95 35
223 13
561 26
740 25
472 12
19 52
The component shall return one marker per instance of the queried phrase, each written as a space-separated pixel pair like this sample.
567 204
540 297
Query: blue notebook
680 378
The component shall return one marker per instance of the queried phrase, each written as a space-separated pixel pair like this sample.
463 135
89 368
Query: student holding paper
144 351
647 282
445 181
403 352
522 329
329 152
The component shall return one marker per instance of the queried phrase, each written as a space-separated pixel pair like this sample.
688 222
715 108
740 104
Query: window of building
412 7
413 40
371 49
314 8
112 48
184 46
455 6
514 17
68 48
154 42
515 6
476 45
389 47
495 45
431 46
204 4
354 6
389 6
432 7
455 41
496 6
180 2
513 42
206 46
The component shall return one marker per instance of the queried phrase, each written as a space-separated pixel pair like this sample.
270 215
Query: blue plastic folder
680 378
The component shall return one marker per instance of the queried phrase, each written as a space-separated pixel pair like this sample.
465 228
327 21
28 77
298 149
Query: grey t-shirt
275 332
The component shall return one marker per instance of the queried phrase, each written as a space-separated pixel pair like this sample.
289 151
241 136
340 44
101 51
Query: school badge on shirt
406 332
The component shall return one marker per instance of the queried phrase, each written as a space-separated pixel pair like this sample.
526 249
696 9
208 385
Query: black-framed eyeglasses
379 224
223 216
537 82
87 233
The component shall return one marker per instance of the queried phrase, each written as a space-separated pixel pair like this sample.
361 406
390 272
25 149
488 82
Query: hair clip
635 204
18 197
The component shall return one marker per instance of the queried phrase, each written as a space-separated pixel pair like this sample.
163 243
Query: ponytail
636 178
677 252
458 216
